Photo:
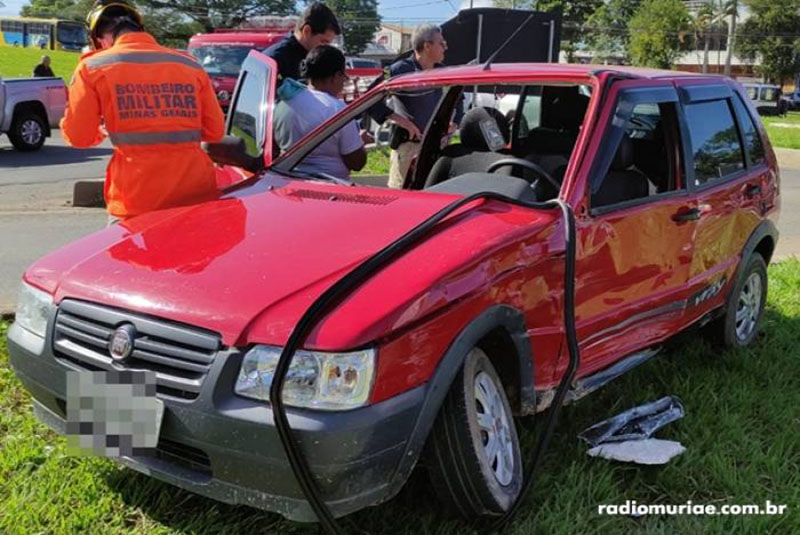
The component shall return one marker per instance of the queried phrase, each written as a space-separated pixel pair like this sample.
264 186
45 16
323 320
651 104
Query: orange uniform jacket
156 104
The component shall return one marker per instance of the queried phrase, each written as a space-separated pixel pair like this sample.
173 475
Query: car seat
623 182
484 133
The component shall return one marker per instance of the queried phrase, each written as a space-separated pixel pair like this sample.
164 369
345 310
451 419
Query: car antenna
489 61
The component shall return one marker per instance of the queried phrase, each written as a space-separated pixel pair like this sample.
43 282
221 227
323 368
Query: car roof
557 70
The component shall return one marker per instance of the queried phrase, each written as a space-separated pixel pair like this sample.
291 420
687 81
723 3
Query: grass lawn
784 131
740 430
377 163
19 62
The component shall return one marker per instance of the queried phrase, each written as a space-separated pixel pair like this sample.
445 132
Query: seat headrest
484 129
623 159
563 108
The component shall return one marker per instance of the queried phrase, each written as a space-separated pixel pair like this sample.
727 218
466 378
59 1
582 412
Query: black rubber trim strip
361 274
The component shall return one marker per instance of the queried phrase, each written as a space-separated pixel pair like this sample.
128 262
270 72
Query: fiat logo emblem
121 344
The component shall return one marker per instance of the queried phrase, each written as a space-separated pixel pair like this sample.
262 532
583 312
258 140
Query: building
390 41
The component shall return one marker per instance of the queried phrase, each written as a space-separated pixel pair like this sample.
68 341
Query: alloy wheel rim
31 132
495 428
748 307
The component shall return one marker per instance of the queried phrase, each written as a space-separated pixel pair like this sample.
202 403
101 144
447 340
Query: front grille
180 356
184 455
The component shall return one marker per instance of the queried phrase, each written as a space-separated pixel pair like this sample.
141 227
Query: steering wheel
528 165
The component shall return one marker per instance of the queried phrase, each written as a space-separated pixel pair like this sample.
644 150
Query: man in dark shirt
416 106
316 26
43 69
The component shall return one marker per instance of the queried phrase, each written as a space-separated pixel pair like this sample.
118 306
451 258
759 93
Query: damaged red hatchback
674 188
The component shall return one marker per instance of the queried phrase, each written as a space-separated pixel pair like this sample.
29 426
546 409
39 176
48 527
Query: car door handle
752 190
692 214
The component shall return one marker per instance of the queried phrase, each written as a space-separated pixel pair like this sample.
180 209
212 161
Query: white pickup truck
30 108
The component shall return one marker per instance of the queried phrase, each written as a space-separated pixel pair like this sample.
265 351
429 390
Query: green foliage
608 29
770 37
575 13
359 20
169 27
212 14
62 9
657 31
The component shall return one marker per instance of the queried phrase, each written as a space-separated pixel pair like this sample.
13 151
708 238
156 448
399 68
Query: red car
675 193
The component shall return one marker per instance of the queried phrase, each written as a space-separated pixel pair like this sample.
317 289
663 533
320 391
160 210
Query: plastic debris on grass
627 436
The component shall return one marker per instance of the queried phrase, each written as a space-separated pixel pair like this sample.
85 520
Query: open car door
247 145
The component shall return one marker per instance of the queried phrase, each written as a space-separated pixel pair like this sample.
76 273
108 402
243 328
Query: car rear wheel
27 132
473 454
745 306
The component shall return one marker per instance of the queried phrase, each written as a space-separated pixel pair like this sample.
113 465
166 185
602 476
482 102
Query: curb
88 193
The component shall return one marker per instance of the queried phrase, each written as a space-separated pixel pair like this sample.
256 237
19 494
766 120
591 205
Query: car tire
744 307
473 454
27 132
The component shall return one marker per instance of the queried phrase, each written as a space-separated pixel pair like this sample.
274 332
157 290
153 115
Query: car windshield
221 60
72 34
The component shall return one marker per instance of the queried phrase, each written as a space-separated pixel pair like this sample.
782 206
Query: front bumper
226 447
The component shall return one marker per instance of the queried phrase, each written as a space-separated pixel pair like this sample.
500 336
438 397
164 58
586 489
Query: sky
408 12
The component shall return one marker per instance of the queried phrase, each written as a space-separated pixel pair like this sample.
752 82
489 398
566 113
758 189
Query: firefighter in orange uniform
154 103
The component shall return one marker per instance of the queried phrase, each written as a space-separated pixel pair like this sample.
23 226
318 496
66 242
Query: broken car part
638 423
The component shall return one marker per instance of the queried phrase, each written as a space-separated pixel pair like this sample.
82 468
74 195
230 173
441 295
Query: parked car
675 191
30 108
793 99
766 98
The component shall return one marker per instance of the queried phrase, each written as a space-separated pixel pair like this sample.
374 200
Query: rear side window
752 140
716 149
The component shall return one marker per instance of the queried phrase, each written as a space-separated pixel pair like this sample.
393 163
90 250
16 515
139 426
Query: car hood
276 245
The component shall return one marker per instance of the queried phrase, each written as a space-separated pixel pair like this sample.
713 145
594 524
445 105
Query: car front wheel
745 306
473 454
27 132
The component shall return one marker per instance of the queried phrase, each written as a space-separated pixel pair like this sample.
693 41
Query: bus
46 34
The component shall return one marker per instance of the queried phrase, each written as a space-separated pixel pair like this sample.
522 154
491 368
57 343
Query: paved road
36 215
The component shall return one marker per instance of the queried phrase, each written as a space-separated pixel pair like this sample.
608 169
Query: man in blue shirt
316 26
416 105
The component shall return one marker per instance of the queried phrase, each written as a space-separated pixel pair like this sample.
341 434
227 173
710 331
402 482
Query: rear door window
752 139
716 147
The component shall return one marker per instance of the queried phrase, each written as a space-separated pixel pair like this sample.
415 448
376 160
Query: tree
62 9
359 20
574 12
608 29
169 27
708 22
212 14
769 36
657 30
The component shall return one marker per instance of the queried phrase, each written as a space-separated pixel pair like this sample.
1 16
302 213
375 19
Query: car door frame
712 278
264 66
621 328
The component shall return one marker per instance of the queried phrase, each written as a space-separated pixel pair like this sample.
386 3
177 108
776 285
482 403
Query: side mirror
231 150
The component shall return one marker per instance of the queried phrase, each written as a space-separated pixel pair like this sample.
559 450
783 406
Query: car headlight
32 309
326 381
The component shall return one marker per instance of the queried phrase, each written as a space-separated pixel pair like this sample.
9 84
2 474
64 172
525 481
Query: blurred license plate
113 413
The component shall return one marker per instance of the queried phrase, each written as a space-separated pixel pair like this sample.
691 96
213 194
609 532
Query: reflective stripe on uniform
153 138
142 58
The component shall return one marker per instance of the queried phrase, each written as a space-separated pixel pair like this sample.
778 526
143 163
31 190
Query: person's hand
452 128
366 137
408 125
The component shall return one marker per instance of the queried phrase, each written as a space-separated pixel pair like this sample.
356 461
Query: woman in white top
301 109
